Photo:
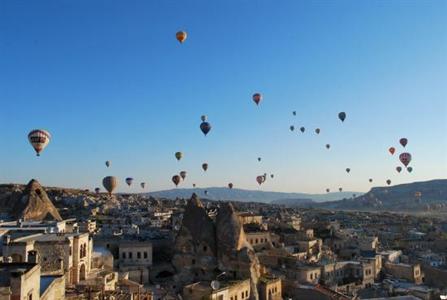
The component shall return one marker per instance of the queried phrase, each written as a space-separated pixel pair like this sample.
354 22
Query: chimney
33 257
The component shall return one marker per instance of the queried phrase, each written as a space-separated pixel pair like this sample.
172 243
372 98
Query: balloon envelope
257 97
39 139
97 190
405 158
230 185
348 170
129 181
183 174
410 169
260 179
203 118
143 184
110 183
205 166
388 182
294 113
340 189
370 180
181 36
108 163
403 142
392 150
328 146
317 131
399 169
342 116
176 179
302 129
178 155
292 128
205 127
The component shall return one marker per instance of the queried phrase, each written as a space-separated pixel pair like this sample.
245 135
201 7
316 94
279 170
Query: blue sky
110 82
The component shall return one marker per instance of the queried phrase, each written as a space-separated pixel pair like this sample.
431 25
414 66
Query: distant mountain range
412 197
223 193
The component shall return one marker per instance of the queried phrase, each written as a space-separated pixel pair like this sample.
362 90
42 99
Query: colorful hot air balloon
410 169
183 174
392 150
257 97
203 118
108 163
398 169
97 190
129 181
176 179
205 166
317 131
260 179
294 113
405 158
181 36
292 128
342 116
178 155
110 183
302 129
230 185
328 146
205 127
39 139
340 189
403 142
143 185
348 170
388 182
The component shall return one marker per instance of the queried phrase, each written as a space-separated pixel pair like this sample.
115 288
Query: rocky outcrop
235 255
34 204
195 246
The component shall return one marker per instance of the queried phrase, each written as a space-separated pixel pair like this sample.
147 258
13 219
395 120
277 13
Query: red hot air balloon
260 179
257 97
403 142
176 179
181 36
405 158
392 150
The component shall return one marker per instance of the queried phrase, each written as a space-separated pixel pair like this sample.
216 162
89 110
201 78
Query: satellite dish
215 285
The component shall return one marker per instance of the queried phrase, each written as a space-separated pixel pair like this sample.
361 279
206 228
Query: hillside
223 193
403 197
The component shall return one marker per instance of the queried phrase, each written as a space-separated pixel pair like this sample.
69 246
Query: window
311 276
138 255
242 295
130 255
124 255
30 295
145 254
256 241
205 248
246 294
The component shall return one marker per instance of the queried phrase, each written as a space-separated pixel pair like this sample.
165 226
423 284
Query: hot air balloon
176 179
206 192
348 170
259 159
399 169
317 131
272 175
129 181
110 183
108 163
203 118
302 129
328 190
183 174
294 113
178 155
39 139
292 128
97 190
403 142
405 158
328 146
257 97
143 185
392 150
370 180
388 182
193 185
260 179
410 169
181 36
205 166
342 116
205 127
230 185
340 189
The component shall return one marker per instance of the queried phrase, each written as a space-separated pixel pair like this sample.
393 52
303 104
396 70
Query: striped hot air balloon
39 139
